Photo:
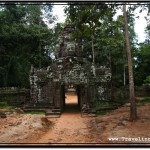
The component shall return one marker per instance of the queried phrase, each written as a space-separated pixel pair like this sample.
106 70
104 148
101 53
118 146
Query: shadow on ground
72 108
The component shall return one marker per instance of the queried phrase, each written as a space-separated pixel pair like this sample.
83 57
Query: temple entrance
71 101
89 82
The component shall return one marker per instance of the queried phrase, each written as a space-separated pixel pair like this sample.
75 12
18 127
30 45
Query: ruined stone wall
70 69
46 86
41 86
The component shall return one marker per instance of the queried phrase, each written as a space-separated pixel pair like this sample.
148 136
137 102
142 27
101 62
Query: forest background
29 35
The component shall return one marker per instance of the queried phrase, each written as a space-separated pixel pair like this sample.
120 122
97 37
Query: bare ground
71 128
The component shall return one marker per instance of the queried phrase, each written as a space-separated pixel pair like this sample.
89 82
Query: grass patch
144 100
35 112
103 112
8 97
104 107
5 105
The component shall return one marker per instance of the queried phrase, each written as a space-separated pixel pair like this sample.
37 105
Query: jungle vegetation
26 38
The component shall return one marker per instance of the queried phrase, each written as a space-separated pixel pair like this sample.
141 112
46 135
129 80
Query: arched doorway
71 98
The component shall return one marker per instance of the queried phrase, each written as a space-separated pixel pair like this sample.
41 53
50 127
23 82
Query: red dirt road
72 129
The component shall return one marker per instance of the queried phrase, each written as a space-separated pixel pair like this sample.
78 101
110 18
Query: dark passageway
71 101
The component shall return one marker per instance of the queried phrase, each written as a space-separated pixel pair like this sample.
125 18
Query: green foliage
146 99
120 95
103 107
35 112
147 80
56 33
3 104
142 69
98 21
25 39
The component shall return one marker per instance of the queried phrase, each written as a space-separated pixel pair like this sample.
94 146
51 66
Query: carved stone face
70 47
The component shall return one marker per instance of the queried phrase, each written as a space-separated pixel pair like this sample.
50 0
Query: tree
102 36
133 112
37 15
86 19
20 39
142 69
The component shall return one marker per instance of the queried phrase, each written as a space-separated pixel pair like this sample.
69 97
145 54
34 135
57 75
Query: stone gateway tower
92 83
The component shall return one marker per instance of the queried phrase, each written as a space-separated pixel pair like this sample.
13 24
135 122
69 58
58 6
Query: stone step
53 113
37 107
56 110
33 110
88 115
50 112
52 116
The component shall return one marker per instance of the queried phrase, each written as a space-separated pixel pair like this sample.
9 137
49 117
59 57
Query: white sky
140 23
58 10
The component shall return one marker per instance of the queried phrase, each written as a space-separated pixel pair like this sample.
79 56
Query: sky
58 10
140 23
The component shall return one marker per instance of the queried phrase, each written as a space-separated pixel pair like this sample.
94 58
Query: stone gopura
92 83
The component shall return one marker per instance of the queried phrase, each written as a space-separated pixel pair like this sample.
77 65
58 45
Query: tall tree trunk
39 46
39 54
133 112
124 75
93 52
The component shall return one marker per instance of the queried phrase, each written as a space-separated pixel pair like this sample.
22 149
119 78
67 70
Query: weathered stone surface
19 110
69 68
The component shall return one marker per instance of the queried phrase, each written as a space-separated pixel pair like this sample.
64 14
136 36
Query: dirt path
70 127
73 129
